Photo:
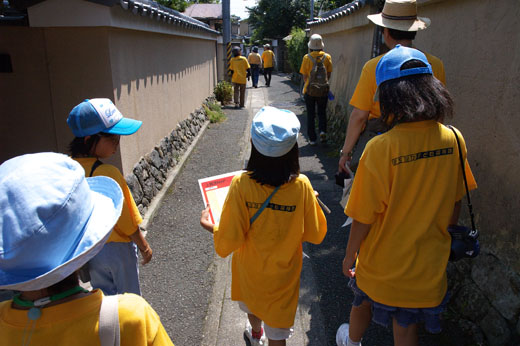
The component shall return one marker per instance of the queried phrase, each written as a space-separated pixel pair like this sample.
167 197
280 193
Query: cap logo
108 113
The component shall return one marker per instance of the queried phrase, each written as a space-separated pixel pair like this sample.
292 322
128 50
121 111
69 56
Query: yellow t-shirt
239 65
77 322
307 65
268 58
363 97
254 58
267 256
406 185
130 217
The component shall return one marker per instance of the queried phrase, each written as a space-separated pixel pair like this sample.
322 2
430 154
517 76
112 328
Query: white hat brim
420 23
108 202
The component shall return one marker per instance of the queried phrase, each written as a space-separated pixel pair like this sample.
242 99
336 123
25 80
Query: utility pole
312 10
226 33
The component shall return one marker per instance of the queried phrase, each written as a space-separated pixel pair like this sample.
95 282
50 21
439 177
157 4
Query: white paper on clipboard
214 191
346 193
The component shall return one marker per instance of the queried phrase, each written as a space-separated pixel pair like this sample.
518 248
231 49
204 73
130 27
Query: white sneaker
254 342
342 335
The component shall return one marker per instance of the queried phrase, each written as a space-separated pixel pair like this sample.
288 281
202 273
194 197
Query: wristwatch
341 153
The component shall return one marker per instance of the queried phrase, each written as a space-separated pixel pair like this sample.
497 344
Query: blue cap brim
124 127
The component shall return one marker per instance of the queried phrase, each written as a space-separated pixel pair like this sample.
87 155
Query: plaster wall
159 79
25 102
479 43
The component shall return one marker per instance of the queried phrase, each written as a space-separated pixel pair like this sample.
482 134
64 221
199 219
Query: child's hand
205 220
347 267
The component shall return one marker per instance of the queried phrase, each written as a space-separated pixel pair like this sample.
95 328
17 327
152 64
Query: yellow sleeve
328 63
229 234
363 97
130 217
306 66
315 223
140 324
472 184
371 188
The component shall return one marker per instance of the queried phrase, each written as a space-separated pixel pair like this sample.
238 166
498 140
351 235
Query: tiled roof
339 12
205 11
159 12
143 7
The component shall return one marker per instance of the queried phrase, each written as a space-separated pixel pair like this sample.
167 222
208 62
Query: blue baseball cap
100 115
53 220
389 67
274 131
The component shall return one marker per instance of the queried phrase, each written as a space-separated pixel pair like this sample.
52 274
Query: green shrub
297 48
214 112
223 92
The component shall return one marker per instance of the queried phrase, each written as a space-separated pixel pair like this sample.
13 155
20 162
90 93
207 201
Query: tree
276 18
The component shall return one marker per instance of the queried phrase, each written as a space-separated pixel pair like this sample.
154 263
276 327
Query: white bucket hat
274 131
400 15
53 220
315 42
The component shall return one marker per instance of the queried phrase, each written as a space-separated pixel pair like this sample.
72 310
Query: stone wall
150 173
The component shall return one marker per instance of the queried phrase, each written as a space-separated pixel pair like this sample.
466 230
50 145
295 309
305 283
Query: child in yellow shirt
270 210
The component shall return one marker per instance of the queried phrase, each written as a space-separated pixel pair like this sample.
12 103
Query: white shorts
270 332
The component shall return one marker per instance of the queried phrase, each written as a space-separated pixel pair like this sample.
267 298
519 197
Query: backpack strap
94 166
109 321
266 202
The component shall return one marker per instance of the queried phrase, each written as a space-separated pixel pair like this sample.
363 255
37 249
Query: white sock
352 343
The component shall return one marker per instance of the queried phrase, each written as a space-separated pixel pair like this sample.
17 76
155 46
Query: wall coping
143 15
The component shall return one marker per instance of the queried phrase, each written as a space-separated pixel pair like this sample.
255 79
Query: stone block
470 303
135 188
499 284
495 328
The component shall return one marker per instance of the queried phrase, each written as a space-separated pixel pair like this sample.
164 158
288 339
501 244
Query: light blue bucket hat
274 131
53 220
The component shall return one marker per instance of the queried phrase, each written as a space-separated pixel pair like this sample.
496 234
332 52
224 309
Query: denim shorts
270 332
383 314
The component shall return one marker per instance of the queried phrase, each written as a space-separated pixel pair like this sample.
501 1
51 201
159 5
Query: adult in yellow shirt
53 220
268 60
241 70
312 102
407 191
98 125
267 247
255 61
400 25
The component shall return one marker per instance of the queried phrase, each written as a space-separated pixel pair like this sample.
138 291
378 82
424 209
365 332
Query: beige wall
25 105
157 78
479 43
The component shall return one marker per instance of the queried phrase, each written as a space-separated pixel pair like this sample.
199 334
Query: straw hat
53 220
400 15
315 42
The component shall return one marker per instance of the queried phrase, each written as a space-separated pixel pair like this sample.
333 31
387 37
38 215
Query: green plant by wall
223 92
297 48
214 112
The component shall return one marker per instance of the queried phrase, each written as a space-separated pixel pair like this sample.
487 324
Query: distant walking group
61 216
243 68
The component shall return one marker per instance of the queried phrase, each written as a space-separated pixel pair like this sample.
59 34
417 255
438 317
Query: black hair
399 35
236 51
274 171
81 147
69 282
414 98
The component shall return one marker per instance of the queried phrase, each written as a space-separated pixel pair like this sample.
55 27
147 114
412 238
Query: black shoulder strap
461 158
94 166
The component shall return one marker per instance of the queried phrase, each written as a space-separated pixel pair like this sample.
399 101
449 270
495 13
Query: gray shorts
270 332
